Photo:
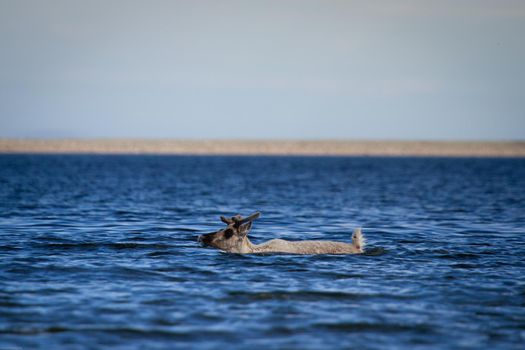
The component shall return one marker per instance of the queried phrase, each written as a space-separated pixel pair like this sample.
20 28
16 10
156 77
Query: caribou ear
245 228
226 221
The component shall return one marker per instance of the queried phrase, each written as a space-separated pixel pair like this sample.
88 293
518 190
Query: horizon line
300 147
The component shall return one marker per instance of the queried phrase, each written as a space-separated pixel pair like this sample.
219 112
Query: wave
99 245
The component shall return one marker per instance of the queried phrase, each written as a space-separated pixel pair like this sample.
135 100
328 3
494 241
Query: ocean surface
101 252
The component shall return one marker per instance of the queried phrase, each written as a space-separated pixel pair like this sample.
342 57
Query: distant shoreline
265 147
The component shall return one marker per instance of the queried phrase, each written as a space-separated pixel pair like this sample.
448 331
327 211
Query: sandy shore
265 147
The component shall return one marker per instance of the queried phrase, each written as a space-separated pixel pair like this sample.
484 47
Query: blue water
101 252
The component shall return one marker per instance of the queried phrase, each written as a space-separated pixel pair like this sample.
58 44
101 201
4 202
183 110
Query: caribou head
232 238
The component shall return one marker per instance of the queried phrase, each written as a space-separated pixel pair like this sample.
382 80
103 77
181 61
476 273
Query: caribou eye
228 233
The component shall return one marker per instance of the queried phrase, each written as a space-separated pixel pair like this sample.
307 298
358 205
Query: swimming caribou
234 239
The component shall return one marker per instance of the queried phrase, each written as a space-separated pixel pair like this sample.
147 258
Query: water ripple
101 252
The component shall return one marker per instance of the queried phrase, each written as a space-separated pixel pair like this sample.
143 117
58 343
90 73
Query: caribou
234 239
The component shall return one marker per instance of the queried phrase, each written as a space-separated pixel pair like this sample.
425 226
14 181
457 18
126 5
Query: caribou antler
250 218
226 220
238 220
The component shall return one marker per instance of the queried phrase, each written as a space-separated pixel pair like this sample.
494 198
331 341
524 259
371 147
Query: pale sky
439 70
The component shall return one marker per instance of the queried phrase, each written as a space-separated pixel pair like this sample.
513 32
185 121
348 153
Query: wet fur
234 239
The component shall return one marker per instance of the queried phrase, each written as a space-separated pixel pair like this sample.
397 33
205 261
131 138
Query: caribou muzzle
206 239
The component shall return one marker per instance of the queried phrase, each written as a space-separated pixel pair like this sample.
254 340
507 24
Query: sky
408 70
